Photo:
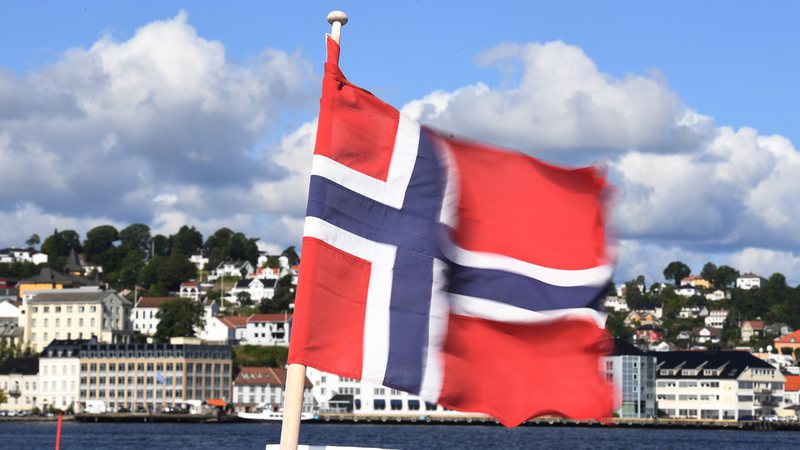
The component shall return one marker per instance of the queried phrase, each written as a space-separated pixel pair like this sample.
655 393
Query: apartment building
18 380
75 314
633 374
717 385
134 376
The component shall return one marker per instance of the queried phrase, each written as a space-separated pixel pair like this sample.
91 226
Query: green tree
186 241
676 271
179 317
726 276
174 270
160 246
60 243
136 237
33 240
98 240
709 272
292 255
129 269
284 296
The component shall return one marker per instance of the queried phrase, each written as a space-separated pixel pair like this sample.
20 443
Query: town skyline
104 124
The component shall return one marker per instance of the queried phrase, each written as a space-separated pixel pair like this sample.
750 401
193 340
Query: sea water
90 436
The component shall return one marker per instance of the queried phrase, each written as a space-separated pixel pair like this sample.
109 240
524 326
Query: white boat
267 415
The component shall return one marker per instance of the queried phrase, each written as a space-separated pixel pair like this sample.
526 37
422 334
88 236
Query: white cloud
765 262
160 128
562 102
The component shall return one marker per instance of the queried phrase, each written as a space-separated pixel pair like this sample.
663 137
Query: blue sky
693 105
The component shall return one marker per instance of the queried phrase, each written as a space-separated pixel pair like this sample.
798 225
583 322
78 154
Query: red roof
234 321
189 284
262 376
269 318
792 383
791 338
153 302
755 324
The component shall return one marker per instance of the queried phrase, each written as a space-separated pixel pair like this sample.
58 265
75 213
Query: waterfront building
633 373
75 314
268 329
791 398
134 376
335 394
265 387
716 385
18 380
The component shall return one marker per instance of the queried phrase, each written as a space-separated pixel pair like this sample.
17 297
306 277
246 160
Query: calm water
25 435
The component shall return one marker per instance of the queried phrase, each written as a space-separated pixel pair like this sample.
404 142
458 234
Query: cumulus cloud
159 128
563 103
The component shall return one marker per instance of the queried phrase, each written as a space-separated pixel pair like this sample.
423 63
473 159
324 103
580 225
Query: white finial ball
337 16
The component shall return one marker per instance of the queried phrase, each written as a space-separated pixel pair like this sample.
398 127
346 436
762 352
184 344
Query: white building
19 378
268 329
718 295
615 303
719 385
265 387
748 281
257 288
232 269
199 260
75 314
12 255
190 289
687 290
335 394
689 312
716 318
60 377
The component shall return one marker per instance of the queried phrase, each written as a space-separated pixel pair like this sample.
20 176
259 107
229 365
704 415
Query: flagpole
296 374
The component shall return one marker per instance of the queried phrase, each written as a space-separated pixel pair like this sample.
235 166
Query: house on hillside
642 317
199 260
779 329
687 290
718 295
752 328
237 325
696 281
190 289
706 335
791 342
31 255
748 281
239 269
258 288
716 318
614 303
648 333
268 329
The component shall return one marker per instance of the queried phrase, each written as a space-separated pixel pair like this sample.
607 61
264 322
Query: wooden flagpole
296 375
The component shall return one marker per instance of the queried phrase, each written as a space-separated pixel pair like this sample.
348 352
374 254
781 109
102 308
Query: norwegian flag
449 269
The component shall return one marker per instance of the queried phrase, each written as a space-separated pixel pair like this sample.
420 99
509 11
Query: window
69 309
46 309
379 404
93 309
58 309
